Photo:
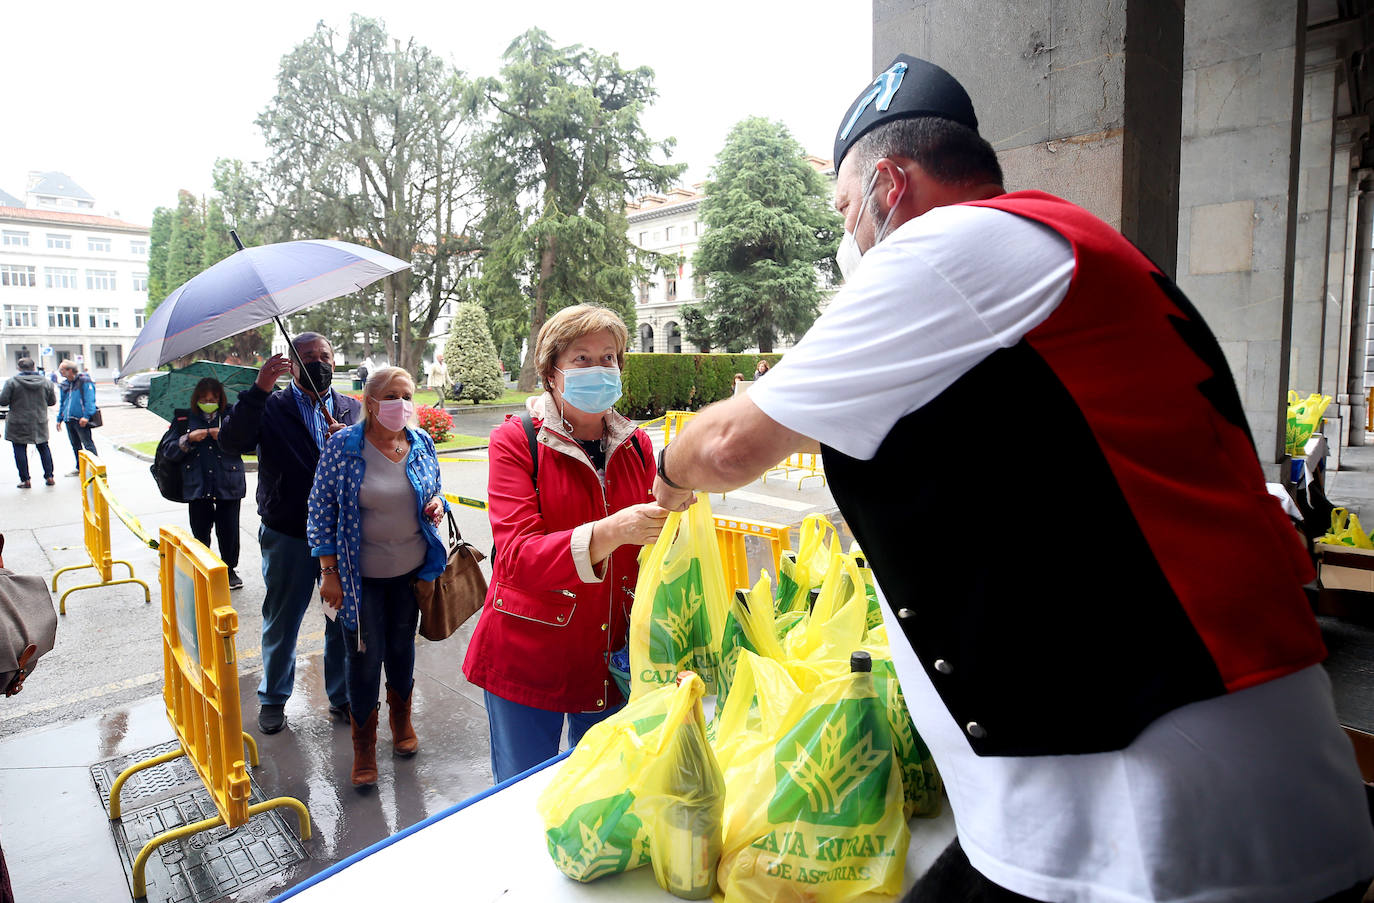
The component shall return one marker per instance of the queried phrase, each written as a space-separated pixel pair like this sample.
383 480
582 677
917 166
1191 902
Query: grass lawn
455 440
429 398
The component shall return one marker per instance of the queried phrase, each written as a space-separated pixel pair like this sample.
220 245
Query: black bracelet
663 473
332 569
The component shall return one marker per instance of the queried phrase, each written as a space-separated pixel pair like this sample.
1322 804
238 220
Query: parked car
135 387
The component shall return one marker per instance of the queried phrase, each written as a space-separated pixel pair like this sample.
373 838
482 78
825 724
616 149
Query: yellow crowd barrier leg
140 886
74 567
133 769
62 603
125 563
287 802
252 749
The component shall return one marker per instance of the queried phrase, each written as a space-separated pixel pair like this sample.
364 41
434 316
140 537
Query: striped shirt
310 413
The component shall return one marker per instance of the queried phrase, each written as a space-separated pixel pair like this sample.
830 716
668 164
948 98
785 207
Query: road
109 650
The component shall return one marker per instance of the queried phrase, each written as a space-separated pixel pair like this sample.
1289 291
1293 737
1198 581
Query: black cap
908 88
860 662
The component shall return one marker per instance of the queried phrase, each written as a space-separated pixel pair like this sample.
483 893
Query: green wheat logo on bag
837 775
681 625
599 838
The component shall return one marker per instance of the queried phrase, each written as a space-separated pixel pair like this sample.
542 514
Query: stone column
1072 106
1338 237
1242 94
1359 319
1305 360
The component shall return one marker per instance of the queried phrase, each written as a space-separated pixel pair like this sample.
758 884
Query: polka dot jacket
334 525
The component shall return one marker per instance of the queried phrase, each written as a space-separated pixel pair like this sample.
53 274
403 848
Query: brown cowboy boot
403 740
365 751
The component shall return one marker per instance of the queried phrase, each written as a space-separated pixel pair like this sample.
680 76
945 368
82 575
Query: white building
73 284
671 224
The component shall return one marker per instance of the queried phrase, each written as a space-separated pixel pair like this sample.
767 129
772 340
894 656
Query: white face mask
849 255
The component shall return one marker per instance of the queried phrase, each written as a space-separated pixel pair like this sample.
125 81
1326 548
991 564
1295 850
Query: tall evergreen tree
771 234
470 355
562 152
510 354
159 234
184 242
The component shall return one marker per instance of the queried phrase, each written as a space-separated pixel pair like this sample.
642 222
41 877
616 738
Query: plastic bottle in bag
688 850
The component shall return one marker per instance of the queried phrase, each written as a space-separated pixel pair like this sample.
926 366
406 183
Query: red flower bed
435 421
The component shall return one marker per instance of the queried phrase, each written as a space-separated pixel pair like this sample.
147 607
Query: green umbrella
172 390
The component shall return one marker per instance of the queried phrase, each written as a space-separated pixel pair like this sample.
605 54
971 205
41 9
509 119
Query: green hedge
655 383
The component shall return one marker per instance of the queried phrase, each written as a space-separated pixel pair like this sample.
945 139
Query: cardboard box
1346 567
1364 751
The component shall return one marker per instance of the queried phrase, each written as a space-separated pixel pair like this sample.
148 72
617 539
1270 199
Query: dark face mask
317 376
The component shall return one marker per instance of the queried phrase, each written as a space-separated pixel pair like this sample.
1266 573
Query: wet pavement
98 694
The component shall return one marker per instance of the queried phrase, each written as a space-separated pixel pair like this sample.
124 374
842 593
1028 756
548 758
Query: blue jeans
523 736
289 572
80 437
387 619
21 460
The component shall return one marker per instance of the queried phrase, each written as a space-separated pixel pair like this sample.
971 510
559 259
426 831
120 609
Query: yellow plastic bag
1346 531
632 790
680 603
1304 417
815 808
805 571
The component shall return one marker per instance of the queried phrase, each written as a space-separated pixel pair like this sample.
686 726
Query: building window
21 315
644 293
140 317
64 318
101 280
15 239
670 291
101 245
59 242
140 281
13 274
674 339
104 318
698 227
667 233
138 248
102 358
643 237
59 277
646 338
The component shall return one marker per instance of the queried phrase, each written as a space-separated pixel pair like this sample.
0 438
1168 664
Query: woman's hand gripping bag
605 810
680 603
814 811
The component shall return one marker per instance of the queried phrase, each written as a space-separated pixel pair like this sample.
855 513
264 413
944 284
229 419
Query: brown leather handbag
446 602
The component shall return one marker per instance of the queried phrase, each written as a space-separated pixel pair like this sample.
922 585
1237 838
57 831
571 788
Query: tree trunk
539 313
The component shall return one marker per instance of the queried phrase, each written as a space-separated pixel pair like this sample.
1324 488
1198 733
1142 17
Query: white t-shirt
1253 796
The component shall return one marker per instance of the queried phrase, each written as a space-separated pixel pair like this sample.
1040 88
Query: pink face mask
395 413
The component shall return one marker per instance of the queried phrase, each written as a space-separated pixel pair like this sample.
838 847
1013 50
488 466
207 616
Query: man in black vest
288 428
1103 719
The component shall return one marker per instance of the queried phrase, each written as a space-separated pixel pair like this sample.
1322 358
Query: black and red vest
1107 551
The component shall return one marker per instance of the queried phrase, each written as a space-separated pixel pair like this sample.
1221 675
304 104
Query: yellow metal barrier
810 462
673 422
95 511
201 691
731 533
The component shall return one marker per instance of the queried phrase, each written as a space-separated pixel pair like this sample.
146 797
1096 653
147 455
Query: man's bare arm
725 446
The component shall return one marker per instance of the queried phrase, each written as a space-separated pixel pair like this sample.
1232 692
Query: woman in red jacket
568 525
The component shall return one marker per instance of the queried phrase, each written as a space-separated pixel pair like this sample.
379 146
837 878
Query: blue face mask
591 389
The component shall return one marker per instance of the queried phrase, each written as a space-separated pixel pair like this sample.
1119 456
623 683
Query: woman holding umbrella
212 479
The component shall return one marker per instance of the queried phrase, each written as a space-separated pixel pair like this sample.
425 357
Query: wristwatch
662 473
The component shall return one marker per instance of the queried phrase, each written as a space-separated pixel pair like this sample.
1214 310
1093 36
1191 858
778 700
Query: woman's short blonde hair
378 381
571 324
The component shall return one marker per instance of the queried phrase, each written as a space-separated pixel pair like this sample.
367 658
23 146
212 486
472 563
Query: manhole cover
205 866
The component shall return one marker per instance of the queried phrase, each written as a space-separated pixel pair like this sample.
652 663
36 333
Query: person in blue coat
288 428
373 524
212 480
75 408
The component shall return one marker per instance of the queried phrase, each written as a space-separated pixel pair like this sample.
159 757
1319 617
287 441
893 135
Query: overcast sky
135 100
